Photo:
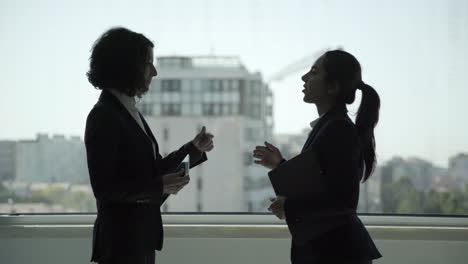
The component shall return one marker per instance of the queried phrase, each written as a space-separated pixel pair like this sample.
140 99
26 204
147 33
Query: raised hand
203 141
268 155
174 182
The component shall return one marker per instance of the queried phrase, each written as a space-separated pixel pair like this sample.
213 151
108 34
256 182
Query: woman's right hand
277 207
268 155
174 182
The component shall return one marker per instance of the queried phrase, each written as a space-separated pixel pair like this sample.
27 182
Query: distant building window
171 85
157 109
216 109
175 97
186 97
197 109
147 109
208 97
196 97
186 109
166 97
235 109
186 86
217 97
196 86
170 109
166 134
176 109
235 97
226 97
226 109
155 86
226 85
208 109
215 85
235 85
257 113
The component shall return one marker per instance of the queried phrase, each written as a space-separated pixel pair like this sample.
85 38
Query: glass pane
414 53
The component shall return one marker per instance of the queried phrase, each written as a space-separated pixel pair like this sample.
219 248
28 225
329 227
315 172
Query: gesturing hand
174 182
268 155
203 141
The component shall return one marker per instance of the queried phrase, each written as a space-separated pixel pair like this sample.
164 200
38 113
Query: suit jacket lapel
338 110
110 98
307 143
312 135
149 133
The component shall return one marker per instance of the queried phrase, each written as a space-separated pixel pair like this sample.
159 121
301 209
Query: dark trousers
312 254
148 259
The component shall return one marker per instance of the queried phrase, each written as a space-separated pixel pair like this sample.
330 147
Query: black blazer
127 180
327 217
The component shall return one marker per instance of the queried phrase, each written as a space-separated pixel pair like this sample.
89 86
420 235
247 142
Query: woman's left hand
277 207
269 156
203 141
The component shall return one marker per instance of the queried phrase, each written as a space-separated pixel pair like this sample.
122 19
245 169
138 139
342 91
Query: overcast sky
413 52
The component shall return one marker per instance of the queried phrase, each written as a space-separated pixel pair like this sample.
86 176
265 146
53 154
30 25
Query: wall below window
229 239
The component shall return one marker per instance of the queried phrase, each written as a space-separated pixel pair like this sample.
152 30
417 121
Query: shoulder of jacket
340 123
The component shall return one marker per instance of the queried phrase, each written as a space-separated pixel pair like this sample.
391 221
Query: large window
414 53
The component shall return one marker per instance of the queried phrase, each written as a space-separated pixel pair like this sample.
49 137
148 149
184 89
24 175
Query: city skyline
42 194
276 137
412 53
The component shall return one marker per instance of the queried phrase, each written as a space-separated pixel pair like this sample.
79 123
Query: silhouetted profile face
316 89
149 72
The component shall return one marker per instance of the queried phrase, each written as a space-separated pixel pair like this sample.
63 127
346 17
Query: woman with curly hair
129 178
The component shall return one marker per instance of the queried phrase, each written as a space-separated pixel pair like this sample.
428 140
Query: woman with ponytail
324 225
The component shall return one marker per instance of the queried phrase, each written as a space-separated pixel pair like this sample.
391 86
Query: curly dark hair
118 60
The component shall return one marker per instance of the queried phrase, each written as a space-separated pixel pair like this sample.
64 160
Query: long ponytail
366 120
344 69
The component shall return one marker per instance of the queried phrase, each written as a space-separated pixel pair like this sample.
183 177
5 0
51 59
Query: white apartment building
234 105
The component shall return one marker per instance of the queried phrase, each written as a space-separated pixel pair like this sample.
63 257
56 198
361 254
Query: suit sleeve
338 153
170 163
102 140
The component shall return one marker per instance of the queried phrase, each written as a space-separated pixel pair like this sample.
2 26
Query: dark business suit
324 225
126 178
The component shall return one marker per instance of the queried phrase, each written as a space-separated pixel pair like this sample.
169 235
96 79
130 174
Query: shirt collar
128 101
338 108
313 123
